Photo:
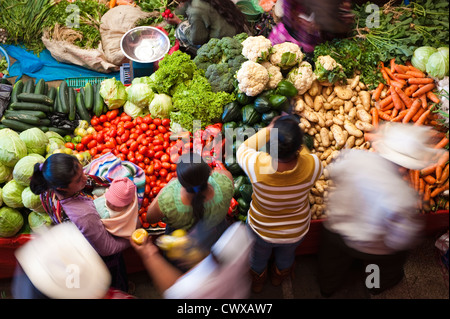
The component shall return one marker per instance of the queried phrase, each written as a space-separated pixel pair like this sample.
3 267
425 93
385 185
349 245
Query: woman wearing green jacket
206 19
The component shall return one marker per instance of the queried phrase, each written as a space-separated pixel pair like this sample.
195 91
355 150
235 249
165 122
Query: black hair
290 136
57 171
193 174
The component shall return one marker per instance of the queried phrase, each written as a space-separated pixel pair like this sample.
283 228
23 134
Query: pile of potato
337 116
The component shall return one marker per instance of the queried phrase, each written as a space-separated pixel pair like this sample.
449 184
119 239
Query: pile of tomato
144 141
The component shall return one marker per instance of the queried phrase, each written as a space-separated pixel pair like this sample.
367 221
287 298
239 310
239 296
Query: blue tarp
46 67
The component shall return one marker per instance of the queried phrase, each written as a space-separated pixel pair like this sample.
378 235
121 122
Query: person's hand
174 20
147 249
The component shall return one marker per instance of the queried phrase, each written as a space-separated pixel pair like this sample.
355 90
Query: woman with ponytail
65 193
198 194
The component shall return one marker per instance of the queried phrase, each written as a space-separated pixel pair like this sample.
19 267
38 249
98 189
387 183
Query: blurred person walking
372 211
279 214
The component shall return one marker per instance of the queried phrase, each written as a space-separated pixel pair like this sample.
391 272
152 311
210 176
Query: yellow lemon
179 233
139 236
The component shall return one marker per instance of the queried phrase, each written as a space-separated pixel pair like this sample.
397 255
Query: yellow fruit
179 233
139 236
68 151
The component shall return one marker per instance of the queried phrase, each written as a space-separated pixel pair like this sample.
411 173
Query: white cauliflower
328 70
302 77
256 49
252 78
327 62
286 55
275 75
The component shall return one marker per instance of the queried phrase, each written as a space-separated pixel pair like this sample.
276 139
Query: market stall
212 102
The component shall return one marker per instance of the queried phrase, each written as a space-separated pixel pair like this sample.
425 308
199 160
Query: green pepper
262 104
243 98
277 101
230 125
243 206
286 88
238 182
246 191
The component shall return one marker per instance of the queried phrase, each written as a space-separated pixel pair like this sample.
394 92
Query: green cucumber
72 104
25 118
52 93
28 87
89 96
81 108
38 114
16 125
60 131
40 87
98 102
35 98
17 89
30 106
64 97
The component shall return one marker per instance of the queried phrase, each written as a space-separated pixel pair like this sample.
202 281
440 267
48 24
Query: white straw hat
62 264
405 145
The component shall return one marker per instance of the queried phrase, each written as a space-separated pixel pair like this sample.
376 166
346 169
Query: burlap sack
114 24
92 59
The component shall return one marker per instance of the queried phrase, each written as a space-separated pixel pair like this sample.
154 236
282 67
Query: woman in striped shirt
279 213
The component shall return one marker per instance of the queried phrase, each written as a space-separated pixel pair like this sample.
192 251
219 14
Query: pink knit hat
121 192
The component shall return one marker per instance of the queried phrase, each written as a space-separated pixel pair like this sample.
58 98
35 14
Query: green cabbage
420 57
51 134
24 168
134 111
161 106
12 194
54 144
32 201
140 94
11 221
113 93
12 148
437 65
35 140
37 220
1 198
5 173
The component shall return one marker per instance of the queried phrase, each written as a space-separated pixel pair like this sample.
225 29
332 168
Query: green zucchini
40 87
64 97
98 102
28 87
17 89
81 108
60 131
16 125
72 104
25 118
57 104
35 98
38 114
89 96
30 106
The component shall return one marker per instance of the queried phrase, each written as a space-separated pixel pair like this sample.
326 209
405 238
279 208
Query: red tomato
134 146
162 129
157 166
93 151
94 121
152 126
143 126
165 122
165 165
158 154
125 117
121 156
128 125
165 158
155 190
92 144
86 139
163 172
157 122
147 119
102 118
80 147
70 145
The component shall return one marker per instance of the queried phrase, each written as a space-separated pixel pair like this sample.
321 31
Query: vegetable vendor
65 195
206 19
198 194
372 210
279 214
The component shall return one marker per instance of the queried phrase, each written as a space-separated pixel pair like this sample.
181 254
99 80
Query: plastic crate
81 81
125 73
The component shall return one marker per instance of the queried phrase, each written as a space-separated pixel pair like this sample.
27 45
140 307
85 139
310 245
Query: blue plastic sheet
46 67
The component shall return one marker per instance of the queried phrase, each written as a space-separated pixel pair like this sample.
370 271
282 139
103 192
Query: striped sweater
279 211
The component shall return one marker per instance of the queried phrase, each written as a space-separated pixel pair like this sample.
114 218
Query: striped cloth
111 167
279 212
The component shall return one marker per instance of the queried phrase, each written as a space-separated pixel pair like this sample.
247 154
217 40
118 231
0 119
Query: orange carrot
398 103
422 118
421 186
416 179
428 170
420 80
418 114
443 159
392 65
400 116
388 107
412 110
112 4
384 116
394 113
429 179
385 76
411 89
445 173
433 97
442 143
375 117
438 173
423 100
427 193
403 76
397 84
424 89
376 94
416 74
413 69
408 102
439 190
389 73
386 101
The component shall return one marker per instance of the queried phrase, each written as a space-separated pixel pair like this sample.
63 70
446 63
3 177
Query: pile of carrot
408 97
